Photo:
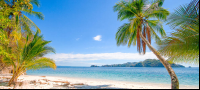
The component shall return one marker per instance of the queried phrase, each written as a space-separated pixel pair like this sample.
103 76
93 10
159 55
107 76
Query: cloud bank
101 56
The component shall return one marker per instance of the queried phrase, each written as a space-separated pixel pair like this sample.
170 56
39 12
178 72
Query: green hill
146 63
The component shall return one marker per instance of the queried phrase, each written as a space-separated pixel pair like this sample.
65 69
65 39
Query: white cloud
97 38
101 56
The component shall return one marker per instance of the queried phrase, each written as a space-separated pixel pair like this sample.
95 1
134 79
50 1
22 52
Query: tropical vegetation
31 56
23 48
145 19
21 45
183 44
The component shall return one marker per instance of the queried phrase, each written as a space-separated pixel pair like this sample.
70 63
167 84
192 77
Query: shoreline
89 83
111 80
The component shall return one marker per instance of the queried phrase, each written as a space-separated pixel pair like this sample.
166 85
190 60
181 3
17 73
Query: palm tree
29 56
17 15
144 21
15 23
183 45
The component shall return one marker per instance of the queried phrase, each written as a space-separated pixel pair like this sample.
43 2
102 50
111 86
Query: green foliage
143 17
12 15
183 45
128 64
3 42
19 47
29 56
145 63
5 11
14 25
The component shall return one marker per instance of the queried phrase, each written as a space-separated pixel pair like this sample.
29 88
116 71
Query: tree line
145 63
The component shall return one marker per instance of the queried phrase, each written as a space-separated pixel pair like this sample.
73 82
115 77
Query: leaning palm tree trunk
13 80
174 79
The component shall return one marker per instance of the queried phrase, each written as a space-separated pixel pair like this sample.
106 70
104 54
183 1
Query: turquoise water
186 76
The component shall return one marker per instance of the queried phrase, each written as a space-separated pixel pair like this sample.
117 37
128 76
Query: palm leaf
41 63
183 45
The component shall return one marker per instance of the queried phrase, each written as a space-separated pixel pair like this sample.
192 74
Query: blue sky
83 32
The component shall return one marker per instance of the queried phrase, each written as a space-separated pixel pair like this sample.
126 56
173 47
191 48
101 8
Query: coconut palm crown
144 23
143 16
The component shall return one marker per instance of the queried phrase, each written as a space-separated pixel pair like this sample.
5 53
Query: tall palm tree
29 56
183 45
144 21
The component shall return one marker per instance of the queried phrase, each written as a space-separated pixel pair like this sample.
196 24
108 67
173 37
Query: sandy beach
53 82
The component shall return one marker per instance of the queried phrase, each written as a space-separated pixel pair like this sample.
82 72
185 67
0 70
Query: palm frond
41 63
182 17
33 13
160 14
183 45
36 2
122 34
30 23
36 48
143 18
156 25
125 10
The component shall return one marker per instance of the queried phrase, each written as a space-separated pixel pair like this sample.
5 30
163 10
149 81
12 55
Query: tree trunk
13 80
174 79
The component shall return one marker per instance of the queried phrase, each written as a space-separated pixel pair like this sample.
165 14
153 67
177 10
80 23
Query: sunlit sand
52 82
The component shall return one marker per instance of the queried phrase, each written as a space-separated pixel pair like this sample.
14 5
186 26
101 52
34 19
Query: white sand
51 82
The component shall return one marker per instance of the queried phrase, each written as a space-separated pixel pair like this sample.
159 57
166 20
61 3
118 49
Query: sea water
186 76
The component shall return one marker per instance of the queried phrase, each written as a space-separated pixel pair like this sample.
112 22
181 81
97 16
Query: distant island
94 66
146 63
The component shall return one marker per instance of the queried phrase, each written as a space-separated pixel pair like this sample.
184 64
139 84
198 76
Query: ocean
186 76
